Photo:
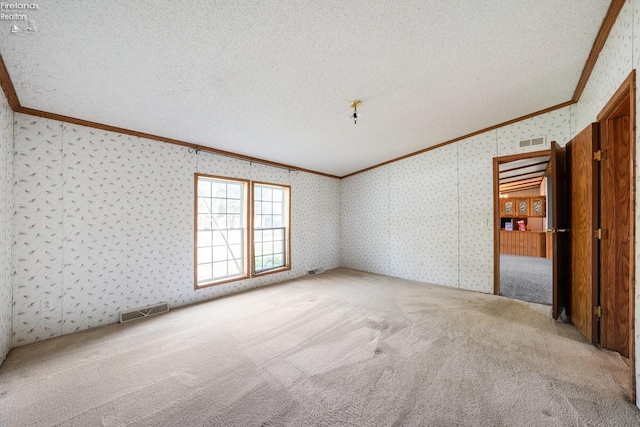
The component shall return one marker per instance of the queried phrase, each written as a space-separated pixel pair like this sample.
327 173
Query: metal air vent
532 142
525 143
139 313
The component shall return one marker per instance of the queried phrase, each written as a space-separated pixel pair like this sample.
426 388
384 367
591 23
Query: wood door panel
560 219
549 245
615 246
584 250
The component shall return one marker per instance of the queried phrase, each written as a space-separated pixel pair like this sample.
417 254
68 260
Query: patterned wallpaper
554 126
315 223
614 65
424 217
6 215
429 217
104 223
37 229
127 234
364 208
475 174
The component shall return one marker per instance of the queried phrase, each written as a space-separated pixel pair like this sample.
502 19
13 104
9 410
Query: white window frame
237 254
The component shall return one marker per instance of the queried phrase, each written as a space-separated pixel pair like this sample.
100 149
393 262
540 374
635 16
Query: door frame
497 161
628 89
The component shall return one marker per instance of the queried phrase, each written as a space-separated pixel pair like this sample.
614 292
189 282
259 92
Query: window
271 228
221 253
228 239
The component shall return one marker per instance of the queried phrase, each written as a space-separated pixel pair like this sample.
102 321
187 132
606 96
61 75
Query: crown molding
605 29
603 34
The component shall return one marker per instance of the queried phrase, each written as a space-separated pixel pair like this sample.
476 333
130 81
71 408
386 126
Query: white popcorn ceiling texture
274 79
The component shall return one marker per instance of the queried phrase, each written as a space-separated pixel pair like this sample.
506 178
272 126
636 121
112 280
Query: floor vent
139 313
314 272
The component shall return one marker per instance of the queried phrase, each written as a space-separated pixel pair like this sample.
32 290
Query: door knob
558 230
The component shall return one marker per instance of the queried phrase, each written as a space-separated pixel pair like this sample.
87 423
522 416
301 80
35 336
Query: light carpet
526 278
343 348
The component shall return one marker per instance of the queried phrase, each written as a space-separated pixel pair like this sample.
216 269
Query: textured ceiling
273 79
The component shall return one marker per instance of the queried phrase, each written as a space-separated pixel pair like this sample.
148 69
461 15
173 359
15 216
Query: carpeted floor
526 278
343 348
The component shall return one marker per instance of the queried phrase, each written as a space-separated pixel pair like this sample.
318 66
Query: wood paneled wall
523 243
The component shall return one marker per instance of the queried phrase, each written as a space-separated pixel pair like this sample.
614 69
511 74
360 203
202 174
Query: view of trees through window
221 229
223 243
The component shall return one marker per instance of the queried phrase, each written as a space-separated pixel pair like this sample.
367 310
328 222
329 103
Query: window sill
275 270
245 277
221 282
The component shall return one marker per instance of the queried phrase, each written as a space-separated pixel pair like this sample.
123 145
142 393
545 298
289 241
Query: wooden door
584 220
615 221
560 239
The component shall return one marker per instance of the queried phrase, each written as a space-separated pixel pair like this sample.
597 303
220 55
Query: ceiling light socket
354 105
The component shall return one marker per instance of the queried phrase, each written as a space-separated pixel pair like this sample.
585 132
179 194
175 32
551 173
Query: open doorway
525 250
